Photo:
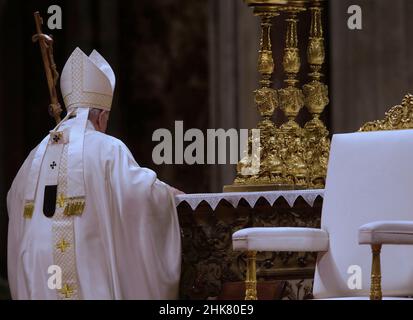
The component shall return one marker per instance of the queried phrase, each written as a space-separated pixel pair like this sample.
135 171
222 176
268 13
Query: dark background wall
193 61
371 69
159 52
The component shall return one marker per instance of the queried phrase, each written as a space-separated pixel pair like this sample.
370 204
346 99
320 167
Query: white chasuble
122 242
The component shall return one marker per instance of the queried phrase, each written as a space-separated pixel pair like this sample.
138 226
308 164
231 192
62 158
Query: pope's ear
102 116
107 114
102 120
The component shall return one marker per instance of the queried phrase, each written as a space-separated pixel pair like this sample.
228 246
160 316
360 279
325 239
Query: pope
85 220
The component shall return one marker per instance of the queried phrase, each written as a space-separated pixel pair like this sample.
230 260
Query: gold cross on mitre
63 245
61 200
67 291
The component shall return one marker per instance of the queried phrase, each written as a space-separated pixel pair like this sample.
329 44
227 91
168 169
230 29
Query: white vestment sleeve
15 204
146 230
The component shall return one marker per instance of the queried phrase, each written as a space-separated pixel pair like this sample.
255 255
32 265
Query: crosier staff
46 48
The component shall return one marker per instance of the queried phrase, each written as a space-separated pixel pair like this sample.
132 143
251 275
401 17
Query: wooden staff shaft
46 43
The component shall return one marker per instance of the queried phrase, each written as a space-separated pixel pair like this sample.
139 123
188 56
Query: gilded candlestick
316 99
290 135
266 100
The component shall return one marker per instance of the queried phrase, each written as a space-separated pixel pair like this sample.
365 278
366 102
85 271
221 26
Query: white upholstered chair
368 200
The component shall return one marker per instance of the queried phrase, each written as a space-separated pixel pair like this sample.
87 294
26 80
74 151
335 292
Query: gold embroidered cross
61 200
63 245
56 137
67 291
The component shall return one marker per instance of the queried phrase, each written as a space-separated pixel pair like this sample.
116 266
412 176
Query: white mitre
87 81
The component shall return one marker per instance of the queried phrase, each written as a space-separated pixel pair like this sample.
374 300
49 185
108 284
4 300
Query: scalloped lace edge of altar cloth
213 199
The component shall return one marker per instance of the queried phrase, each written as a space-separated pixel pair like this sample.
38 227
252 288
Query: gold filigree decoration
28 210
74 206
66 291
266 100
397 118
290 157
62 245
317 141
291 61
61 200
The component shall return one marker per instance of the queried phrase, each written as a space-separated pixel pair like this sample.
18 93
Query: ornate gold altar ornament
397 118
316 99
290 136
46 48
266 99
291 157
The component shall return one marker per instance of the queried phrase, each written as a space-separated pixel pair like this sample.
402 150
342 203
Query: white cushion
386 232
369 178
280 239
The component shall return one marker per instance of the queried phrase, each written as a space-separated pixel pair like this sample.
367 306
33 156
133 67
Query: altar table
208 222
